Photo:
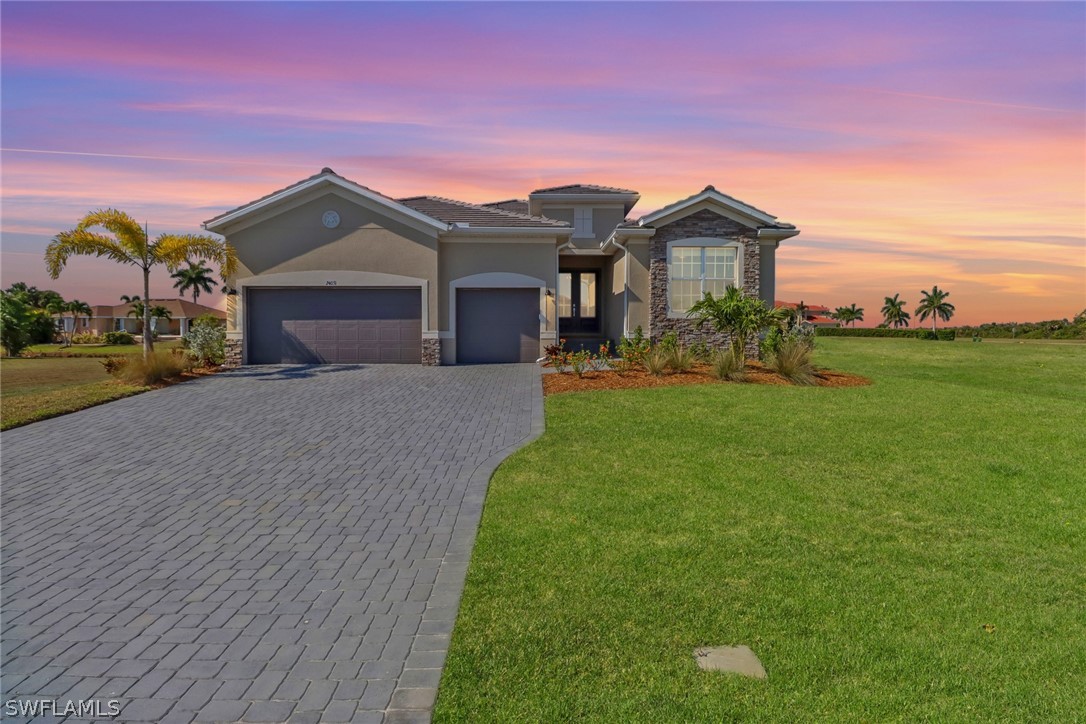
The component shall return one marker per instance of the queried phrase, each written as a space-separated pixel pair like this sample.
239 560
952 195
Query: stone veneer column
431 352
704 223
233 353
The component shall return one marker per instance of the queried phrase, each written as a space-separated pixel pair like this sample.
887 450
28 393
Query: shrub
680 358
85 338
701 351
727 365
800 333
557 355
41 327
602 360
792 360
14 323
580 361
118 338
669 341
942 334
656 361
632 350
159 365
206 341
114 365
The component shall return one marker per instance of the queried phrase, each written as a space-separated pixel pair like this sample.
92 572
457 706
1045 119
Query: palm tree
196 277
78 309
801 312
158 312
843 314
893 312
135 303
855 314
739 316
127 243
934 304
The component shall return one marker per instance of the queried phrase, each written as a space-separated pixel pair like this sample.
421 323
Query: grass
96 350
912 550
37 389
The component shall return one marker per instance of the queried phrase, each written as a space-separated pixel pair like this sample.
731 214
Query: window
694 270
582 222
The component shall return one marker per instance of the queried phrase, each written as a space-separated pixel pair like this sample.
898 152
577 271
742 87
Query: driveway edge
416 690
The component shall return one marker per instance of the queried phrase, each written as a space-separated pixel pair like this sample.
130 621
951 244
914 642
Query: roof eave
221 223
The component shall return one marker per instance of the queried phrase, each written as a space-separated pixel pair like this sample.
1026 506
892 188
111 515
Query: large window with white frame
694 270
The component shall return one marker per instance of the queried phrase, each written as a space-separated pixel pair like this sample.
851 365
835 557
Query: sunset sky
913 143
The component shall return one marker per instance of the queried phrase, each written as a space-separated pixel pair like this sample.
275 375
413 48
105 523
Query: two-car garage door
344 325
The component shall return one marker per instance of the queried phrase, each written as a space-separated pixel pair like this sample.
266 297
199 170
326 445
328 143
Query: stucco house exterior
331 271
117 318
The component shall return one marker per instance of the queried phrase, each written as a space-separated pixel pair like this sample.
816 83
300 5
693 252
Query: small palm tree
801 312
135 308
934 304
196 277
127 242
158 312
893 312
739 316
78 309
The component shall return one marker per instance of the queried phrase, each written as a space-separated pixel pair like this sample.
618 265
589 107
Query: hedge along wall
946 335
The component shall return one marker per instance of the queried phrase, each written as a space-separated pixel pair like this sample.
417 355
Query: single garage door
497 325
338 326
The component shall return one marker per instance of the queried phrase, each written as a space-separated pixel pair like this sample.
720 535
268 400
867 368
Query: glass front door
578 302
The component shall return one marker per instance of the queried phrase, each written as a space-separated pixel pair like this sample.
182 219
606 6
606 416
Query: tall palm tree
196 277
126 242
893 312
934 304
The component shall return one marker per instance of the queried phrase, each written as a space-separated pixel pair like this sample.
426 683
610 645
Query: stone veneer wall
233 353
703 223
431 352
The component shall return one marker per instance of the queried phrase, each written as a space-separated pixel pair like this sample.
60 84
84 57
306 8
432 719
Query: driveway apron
265 545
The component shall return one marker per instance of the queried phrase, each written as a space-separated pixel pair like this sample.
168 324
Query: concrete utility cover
737 659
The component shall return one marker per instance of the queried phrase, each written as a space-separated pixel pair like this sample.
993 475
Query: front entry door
578 302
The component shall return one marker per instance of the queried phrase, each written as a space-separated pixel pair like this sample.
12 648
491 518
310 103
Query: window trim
703 242
582 217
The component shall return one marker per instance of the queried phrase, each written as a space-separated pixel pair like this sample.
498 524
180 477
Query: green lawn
36 389
858 539
96 350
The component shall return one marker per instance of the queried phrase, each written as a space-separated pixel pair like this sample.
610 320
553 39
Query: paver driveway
270 544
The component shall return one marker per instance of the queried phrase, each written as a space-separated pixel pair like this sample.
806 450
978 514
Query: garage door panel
346 326
497 325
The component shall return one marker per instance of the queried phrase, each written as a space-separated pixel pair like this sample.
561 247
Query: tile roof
518 206
323 172
451 211
583 189
792 305
680 202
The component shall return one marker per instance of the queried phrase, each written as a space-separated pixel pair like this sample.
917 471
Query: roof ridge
481 207
595 187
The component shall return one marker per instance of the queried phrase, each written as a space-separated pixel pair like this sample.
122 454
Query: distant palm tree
801 312
934 304
135 308
855 314
893 312
159 312
842 315
127 243
75 308
196 277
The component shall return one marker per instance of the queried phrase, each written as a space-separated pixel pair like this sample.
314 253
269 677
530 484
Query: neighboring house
115 318
333 271
815 314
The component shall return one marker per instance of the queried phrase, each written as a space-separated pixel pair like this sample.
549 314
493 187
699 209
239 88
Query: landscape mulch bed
554 384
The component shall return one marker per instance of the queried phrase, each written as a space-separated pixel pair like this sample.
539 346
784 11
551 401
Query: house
116 318
815 314
333 271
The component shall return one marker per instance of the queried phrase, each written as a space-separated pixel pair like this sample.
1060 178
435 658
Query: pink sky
913 144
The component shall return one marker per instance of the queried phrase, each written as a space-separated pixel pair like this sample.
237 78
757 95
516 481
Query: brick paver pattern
265 545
